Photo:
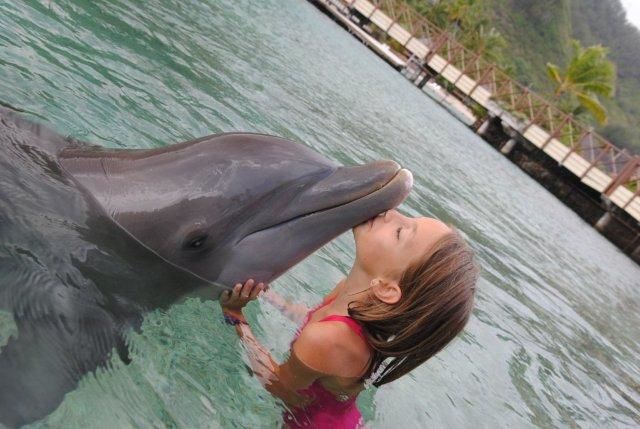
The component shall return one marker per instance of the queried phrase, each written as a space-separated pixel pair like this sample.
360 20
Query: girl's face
387 244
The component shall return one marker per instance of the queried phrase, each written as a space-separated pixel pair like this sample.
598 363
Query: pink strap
355 326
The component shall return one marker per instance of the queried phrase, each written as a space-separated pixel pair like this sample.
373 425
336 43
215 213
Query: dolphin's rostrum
141 229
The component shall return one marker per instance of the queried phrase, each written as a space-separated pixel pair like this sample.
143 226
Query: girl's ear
387 291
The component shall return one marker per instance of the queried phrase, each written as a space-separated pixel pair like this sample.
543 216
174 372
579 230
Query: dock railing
598 163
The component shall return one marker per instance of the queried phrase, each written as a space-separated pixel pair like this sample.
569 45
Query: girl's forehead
427 233
433 225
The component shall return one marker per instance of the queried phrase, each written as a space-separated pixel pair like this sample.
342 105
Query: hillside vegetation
534 33
540 31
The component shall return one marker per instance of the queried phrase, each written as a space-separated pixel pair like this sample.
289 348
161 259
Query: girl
409 293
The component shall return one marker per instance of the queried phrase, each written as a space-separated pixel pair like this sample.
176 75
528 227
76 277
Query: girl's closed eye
398 233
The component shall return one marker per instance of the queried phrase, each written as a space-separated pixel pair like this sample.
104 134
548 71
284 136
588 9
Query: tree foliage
524 35
469 22
587 75
540 31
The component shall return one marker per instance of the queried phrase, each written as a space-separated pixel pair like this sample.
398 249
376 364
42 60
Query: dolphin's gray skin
92 238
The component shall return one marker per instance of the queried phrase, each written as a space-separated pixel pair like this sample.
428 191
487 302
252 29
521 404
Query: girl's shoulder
332 348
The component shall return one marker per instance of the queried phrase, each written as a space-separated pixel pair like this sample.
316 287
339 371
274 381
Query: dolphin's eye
197 242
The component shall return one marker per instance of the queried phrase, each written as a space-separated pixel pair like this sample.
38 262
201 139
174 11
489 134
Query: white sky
633 11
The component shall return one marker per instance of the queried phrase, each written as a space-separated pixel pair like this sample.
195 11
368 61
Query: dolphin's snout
373 187
333 205
407 177
348 184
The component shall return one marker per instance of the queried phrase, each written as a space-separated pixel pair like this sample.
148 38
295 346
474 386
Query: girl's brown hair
436 303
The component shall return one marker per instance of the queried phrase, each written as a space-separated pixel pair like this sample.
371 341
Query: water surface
554 341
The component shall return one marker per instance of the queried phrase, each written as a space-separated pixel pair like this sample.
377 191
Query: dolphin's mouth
402 180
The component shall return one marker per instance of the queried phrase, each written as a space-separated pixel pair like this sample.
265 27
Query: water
554 341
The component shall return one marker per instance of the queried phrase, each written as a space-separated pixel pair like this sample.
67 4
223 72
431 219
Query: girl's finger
256 290
236 290
247 288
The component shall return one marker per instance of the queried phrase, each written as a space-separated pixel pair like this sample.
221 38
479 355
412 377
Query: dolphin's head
237 206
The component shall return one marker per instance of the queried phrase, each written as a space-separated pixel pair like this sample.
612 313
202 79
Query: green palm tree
588 75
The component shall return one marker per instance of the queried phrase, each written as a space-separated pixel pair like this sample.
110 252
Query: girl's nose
393 214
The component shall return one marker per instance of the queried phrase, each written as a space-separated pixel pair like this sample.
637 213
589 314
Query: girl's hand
232 301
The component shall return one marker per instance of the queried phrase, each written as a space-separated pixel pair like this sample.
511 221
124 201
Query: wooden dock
340 12
432 52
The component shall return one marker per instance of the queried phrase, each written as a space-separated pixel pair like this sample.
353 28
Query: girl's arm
313 356
282 381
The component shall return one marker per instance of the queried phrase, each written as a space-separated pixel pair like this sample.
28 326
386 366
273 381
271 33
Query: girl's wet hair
437 300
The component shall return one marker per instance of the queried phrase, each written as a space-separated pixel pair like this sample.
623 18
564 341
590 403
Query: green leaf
554 73
592 104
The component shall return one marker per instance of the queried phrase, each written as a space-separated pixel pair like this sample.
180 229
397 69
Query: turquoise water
554 341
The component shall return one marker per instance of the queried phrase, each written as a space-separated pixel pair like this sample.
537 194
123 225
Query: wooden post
603 222
556 133
442 39
508 147
466 69
479 82
484 127
535 118
624 176
573 147
517 102
593 164
635 194
393 19
423 81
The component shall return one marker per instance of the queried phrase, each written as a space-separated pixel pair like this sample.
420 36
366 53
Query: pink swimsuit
326 411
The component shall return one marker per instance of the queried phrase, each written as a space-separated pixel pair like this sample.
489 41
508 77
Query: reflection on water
555 338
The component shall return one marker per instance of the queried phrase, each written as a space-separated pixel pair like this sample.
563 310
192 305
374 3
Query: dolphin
92 238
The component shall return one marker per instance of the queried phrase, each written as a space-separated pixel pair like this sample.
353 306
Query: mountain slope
540 31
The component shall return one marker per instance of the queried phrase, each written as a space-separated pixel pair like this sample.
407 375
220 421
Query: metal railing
597 162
